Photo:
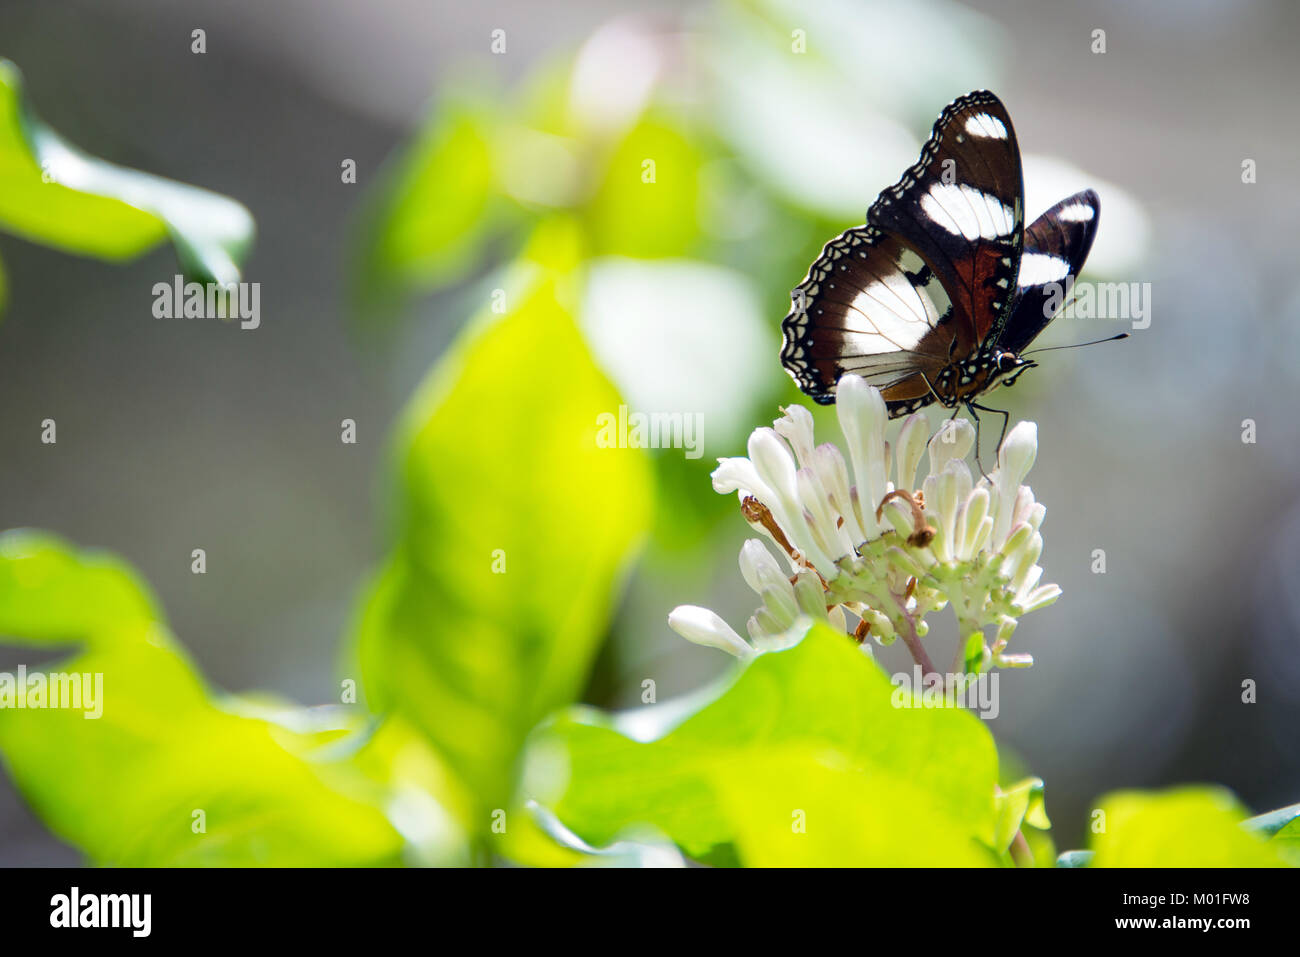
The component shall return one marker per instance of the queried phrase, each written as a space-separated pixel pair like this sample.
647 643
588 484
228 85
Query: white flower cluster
862 539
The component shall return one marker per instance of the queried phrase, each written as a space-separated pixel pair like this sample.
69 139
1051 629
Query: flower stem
1021 855
919 655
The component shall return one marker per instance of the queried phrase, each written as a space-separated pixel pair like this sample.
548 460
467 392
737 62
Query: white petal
782 604
911 446
863 415
703 627
834 474
970 522
1040 597
1016 457
954 440
758 566
1026 562
949 490
824 526
796 427
739 475
771 457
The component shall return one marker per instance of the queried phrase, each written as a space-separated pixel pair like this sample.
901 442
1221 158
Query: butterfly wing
869 305
930 275
1056 245
961 206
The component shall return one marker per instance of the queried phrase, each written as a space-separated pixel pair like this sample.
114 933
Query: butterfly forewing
961 207
869 305
1056 244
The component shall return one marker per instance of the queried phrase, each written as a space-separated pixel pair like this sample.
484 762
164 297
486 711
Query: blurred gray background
174 436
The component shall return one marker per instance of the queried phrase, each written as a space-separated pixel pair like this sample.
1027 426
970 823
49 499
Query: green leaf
122 774
1289 839
819 714
1019 804
56 195
429 219
1186 827
49 593
535 838
648 203
1273 822
793 809
515 530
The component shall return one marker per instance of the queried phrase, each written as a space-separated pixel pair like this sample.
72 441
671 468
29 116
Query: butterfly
936 296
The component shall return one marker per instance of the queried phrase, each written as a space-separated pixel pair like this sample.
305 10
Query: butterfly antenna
1076 345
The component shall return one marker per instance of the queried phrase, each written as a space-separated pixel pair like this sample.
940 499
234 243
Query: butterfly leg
970 407
1006 418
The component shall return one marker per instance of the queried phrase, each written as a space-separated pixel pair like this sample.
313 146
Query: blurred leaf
1018 805
536 838
819 704
648 203
124 786
56 195
49 593
430 215
515 530
1272 822
1289 838
1074 859
1013 773
1186 827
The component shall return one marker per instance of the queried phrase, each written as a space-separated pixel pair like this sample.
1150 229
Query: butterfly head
1008 367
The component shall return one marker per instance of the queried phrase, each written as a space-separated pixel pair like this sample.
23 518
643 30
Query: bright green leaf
1018 805
820 698
49 593
648 203
57 195
1289 839
1187 827
123 773
793 810
430 217
535 838
515 530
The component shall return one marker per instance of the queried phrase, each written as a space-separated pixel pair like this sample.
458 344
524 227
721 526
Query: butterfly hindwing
961 207
869 305
1056 245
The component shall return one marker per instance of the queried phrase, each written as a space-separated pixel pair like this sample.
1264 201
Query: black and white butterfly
935 298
